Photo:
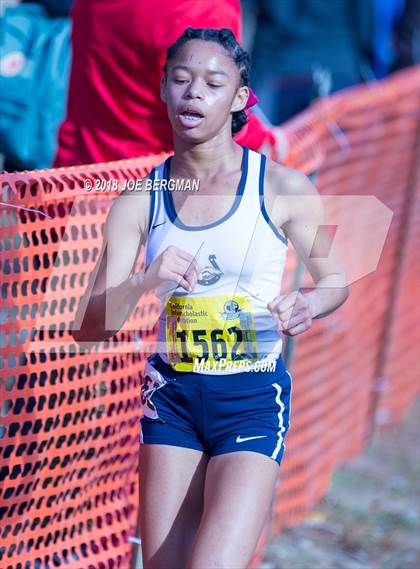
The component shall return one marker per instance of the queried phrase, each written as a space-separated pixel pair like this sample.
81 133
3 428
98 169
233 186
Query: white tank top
243 255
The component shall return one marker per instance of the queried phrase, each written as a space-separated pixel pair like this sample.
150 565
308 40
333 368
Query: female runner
216 393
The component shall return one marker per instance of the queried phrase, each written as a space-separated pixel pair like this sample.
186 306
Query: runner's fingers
278 304
189 271
188 264
286 315
179 279
290 317
286 302
173 255
282 316
187 258
296 321
294 314
182 271
284 308
193 271
173 252
302 327
170 270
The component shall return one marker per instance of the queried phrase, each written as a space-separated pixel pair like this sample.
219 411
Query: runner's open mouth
191 115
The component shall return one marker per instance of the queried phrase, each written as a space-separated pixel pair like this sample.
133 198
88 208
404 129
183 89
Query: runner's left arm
304 223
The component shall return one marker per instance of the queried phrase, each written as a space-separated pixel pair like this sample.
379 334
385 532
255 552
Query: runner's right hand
174 265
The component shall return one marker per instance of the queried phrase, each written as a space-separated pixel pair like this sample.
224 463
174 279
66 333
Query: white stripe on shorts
280 414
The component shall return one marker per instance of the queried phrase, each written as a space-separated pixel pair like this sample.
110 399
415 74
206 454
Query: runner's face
201 91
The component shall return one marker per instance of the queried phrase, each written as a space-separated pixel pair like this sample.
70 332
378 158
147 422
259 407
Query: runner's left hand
293 311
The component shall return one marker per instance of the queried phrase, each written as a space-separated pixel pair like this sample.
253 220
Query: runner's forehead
204 56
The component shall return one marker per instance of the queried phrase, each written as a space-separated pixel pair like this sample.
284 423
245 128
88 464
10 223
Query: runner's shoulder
284 181
132 207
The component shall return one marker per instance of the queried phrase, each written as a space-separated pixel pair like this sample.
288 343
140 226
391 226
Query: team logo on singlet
211 273
231 310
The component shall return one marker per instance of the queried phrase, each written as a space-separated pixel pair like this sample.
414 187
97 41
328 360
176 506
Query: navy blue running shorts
216 414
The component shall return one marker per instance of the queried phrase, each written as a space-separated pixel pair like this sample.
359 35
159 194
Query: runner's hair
226 38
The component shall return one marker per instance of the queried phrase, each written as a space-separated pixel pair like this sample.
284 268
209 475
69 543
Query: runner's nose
195 90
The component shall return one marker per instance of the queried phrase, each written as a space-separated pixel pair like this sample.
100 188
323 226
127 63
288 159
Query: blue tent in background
35 54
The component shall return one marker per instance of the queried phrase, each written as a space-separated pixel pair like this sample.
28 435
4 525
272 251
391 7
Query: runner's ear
163 89
240 99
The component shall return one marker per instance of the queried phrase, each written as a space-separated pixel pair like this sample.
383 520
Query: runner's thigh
238 491
171 501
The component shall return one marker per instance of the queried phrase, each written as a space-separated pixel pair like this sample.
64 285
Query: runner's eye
180 81
213 85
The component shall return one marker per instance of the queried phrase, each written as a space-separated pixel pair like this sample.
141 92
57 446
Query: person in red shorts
119 48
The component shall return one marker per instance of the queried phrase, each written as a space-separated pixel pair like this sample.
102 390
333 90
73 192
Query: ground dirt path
370 518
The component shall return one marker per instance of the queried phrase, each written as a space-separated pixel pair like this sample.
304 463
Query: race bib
209 329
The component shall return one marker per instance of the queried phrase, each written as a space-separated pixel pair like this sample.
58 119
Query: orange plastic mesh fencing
69 436
69 427
358 368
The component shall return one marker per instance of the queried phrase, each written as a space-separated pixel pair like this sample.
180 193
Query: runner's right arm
114 289
106 303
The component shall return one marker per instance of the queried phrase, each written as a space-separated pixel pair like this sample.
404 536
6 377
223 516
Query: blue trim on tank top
169 204
151 213
262 205
152 199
